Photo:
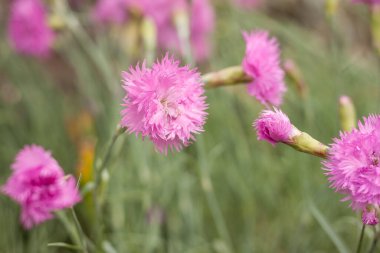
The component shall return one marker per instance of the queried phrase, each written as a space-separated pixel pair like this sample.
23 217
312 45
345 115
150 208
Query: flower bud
370 216
331 7
275 126
149 36
375 26
347 113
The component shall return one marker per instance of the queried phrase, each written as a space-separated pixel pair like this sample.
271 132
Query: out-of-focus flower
247 3
273 126
28 29
165 103
39 185
262 63
110 11
162 12
202 24
370 216
353 165
370 2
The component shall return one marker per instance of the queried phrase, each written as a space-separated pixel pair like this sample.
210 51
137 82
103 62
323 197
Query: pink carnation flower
370 2
39 185
28 29
202 24
165 103
110 11
353 165
262 63
273 127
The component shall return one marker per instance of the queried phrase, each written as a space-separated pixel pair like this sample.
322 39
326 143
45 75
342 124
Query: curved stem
107 156
360 239
212 201
97 184
73 233
83 237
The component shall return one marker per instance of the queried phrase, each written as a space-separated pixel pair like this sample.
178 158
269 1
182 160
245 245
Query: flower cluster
262 63
110 11
39 185
165 103
201 26
353 165
162 12
28 29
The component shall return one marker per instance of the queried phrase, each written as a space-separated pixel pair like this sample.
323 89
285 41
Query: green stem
88 45
360 239
73 233
374 242
97 184
210 195
107 156
226 77
303 142
80 231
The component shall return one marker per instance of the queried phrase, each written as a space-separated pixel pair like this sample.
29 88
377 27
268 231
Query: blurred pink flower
369 216
370 2
202 24
110 11
273 126
28 29
353 165
165 103
39 185
262 63
162 12
247 3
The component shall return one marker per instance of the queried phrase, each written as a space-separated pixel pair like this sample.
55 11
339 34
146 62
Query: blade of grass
324 223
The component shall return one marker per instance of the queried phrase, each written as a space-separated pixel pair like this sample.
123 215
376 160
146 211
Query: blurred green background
225 193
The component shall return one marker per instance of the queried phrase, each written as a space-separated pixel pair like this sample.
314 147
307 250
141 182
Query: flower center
170 108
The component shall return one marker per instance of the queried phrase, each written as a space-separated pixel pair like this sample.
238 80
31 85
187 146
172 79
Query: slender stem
97 183
80 231
73 233
374 243
64 245
360 239
212 201
79 33
303 142
226 77
102 167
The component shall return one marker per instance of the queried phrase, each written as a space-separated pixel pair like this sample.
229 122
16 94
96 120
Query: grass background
227 192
